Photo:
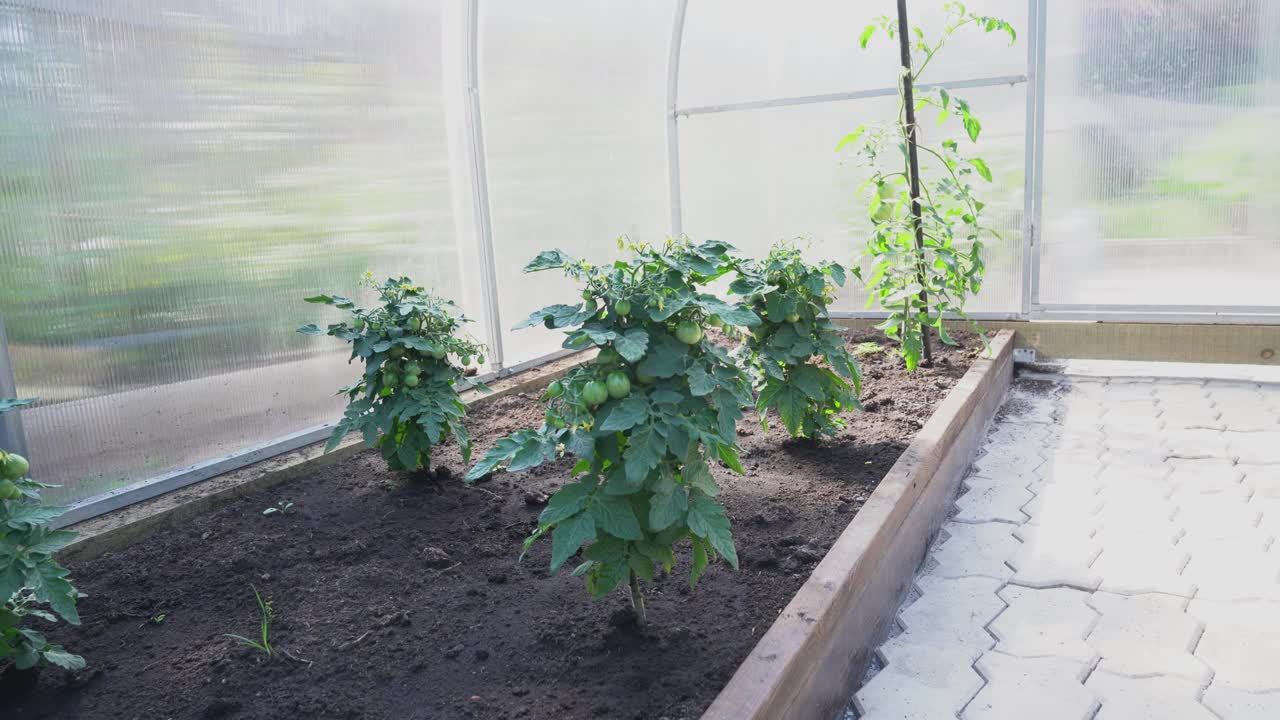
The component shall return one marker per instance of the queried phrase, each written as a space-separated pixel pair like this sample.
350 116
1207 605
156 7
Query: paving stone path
1112 555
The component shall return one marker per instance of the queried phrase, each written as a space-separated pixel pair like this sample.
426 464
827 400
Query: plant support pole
913 160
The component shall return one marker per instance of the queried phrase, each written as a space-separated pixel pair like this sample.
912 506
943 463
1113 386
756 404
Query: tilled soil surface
398 599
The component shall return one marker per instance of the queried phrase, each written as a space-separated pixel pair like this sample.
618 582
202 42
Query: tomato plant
926 245
30 577
804 371
414 368
646 420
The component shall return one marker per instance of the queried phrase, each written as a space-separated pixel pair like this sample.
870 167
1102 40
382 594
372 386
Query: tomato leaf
632 344
569 536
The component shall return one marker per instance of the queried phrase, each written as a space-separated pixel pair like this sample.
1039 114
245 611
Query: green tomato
390 379
715 321
554 390
622 307
793 317
465 359
586 294
416 324
644 378
887 191
688 332
411 380
14 466
397 352
413 367
9 491
608 356
358 323
594 393
618 385
438 354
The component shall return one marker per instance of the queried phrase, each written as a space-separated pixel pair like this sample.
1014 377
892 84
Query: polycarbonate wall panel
573 95
1160 183
746 50
754 177
178 175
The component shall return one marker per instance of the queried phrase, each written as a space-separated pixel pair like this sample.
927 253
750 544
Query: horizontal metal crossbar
841 96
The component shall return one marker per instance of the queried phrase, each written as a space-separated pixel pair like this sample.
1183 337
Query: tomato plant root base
808 662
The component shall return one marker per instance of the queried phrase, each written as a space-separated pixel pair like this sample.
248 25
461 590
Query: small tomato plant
645 420
30 578
797 334
926 245
414 368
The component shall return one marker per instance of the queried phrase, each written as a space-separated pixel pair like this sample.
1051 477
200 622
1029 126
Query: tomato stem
637 600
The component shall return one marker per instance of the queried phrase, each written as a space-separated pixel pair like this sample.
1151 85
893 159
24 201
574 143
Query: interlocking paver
1231 704
1204 442
975 549
1006 464
1255 448
1045 623
1046 688
1142 564
1215 516
1241 642
920 681
1190 414
1149 698
1264 480
1233 568
1053 556
988 500
953 610
1246 416
1122 530
1148 634
1205 475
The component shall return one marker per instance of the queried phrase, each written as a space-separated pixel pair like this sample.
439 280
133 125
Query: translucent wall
1160 157
573 95
755 176
177 175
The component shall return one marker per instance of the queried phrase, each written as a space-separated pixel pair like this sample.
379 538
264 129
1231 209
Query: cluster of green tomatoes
12 467
614 374
406 366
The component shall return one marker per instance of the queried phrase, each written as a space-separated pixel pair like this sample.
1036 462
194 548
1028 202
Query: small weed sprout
281 508
867 348
263 644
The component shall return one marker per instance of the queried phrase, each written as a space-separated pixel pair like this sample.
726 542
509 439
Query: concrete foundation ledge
807 664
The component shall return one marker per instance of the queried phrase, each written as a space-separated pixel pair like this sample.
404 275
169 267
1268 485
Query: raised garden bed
400 600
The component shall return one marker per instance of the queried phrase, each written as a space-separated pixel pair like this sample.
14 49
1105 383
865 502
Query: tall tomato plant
414 367
926 263
645 420
804 371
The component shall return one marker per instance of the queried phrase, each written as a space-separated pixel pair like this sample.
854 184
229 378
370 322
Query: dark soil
406 600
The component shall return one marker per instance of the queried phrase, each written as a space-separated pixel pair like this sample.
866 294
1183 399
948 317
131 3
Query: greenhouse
661 359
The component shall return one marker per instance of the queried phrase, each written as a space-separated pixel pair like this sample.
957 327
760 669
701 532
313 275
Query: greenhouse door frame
1032 307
